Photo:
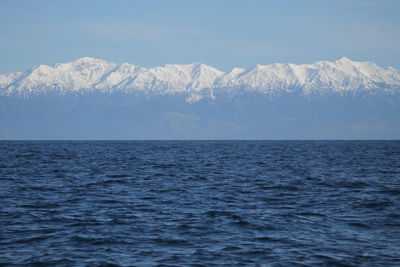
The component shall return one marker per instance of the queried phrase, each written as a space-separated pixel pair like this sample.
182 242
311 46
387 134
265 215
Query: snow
197 81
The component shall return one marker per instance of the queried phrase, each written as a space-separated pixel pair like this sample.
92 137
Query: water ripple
200 203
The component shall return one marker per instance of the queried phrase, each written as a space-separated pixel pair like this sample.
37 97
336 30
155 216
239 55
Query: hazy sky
220 33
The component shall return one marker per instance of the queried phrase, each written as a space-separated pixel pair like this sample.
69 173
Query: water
210 203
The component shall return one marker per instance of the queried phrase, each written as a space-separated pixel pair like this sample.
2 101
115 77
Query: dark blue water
174 203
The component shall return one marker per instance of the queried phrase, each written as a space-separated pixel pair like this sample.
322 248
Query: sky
220 33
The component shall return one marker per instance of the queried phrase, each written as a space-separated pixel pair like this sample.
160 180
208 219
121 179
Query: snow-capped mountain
94 99
196 81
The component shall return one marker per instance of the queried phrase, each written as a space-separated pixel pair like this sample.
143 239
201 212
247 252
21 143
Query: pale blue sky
220 33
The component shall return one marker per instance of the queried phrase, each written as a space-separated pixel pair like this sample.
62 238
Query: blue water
200 203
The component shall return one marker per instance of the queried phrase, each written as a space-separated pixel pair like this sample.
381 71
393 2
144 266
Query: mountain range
94 99
197 81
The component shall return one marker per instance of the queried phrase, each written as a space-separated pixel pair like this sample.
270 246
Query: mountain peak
344 60
87 59
90 61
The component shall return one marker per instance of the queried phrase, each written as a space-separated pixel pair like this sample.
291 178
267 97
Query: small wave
310 214
377 204
268 239
282 187
170 242
117 175
102 264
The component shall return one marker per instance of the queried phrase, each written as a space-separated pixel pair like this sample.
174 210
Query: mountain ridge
197 81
